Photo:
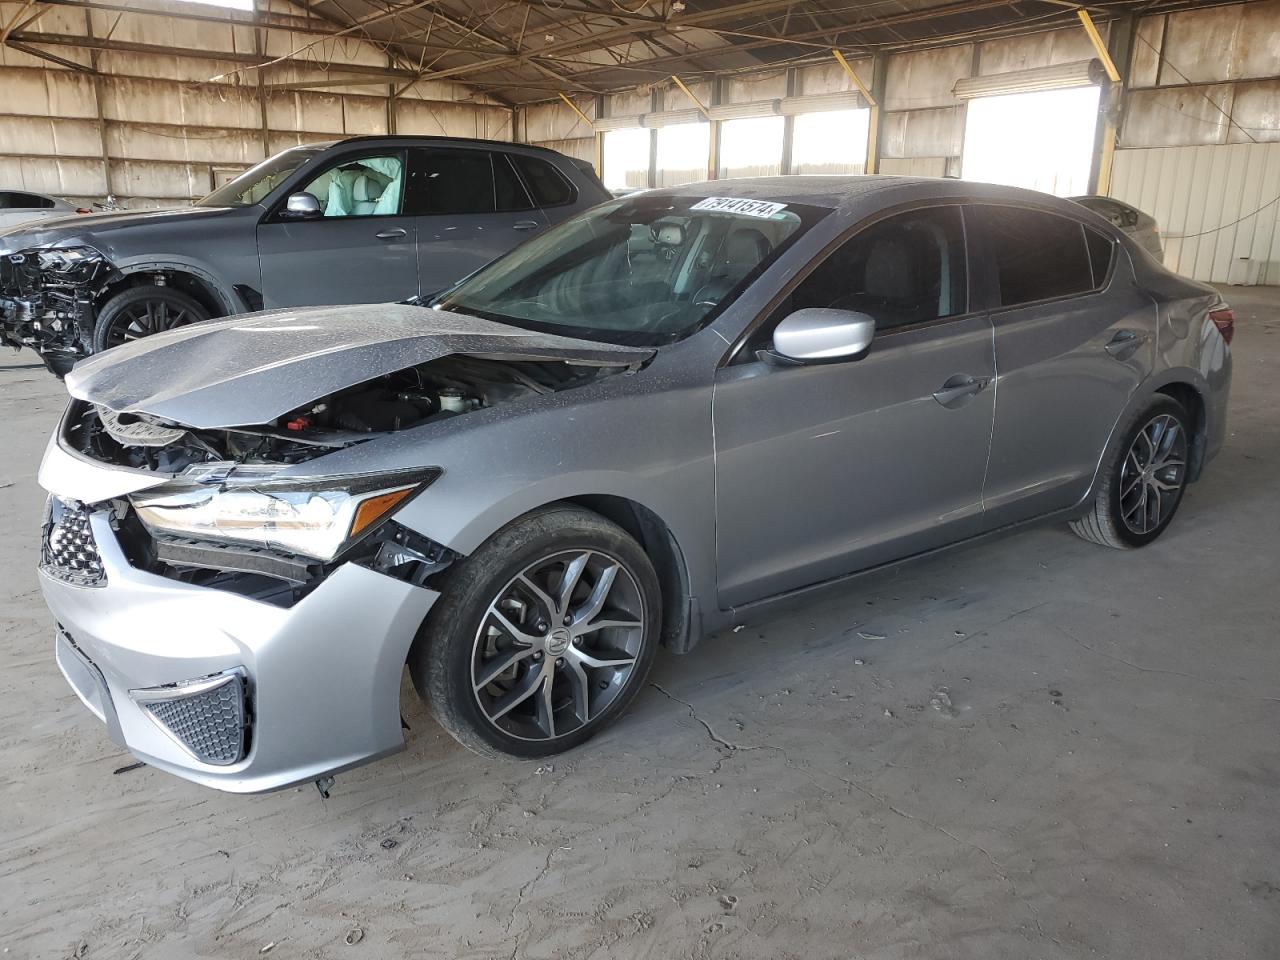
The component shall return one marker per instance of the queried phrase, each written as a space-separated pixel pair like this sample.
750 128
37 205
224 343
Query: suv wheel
1143 479
540 638
141 311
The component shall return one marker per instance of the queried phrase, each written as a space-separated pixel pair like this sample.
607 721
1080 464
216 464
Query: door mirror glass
823 334
302 206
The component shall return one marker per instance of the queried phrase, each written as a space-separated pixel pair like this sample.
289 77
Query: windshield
642 271
254 184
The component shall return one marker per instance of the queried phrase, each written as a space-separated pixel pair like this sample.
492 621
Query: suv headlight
314 517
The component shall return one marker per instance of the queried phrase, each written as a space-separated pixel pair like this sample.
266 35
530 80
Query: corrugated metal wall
1200 144
1205 198
155 129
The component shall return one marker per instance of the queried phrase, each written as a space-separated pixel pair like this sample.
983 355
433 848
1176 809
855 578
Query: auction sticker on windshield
747 208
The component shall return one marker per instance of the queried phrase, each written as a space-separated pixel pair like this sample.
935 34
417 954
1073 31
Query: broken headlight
313 517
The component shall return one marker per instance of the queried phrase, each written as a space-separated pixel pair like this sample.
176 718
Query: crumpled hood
251 369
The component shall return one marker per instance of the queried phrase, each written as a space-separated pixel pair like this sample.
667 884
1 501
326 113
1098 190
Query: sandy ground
1033 748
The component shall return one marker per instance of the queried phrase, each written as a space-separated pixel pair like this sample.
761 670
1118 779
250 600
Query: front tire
1143 479
141 311
542 637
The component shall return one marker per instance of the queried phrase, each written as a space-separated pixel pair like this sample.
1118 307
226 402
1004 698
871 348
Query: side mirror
301 206
822 335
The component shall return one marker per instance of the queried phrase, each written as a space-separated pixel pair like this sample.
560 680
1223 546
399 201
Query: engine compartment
446 387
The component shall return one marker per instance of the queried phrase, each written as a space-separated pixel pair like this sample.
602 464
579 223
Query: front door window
363 187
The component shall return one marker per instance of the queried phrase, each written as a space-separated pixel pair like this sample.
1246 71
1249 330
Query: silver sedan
648 424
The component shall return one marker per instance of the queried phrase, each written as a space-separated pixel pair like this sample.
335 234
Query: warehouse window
1041 141
830 142
683 150
1037 256
625 155
751 147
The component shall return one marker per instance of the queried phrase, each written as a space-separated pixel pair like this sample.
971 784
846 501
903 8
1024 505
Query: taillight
1225 320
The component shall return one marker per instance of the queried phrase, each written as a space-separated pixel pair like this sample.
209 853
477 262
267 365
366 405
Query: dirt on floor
1031 748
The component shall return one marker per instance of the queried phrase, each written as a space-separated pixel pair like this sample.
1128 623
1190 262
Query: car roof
397 138
859 189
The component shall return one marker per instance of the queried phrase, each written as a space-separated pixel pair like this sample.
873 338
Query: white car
19 206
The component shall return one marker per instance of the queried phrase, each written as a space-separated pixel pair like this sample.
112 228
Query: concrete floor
1031 748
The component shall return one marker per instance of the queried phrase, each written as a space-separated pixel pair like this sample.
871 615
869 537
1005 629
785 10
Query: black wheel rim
1153 474
140 320
557 645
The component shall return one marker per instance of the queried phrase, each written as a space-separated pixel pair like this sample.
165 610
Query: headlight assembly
313 517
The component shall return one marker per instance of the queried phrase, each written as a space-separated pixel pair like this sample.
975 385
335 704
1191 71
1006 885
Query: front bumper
320 681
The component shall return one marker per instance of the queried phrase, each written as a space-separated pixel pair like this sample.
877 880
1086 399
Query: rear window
1037 256
547 184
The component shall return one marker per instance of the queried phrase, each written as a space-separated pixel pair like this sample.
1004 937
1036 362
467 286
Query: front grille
206 716
68 550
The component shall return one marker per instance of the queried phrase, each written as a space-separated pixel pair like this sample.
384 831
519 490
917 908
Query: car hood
69 226
252 369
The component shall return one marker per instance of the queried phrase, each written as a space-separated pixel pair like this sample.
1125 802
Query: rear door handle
526 225
395 234
958 389
1125 344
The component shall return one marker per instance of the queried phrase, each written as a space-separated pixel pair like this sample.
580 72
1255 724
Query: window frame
273 214
986 279
749 333
511 156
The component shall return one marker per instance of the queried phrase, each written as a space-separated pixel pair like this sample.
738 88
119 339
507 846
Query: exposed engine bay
47 301
441 388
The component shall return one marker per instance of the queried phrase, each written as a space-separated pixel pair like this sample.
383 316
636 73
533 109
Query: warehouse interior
1023 748
158 103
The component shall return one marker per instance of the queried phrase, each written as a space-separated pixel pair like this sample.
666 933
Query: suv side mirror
822 335
301 206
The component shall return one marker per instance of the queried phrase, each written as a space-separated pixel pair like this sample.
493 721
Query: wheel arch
681 627
1192 400
188 278
1184 385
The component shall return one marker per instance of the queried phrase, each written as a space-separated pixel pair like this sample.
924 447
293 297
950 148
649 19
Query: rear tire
141 311
540 638
1142 479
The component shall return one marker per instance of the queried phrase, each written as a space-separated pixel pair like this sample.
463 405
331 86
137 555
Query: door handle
525 225
395 234
958 389
1125 344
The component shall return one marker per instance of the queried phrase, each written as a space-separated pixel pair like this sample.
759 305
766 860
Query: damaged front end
47 301
228 514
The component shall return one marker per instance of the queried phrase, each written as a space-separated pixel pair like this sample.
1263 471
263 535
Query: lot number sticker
747 208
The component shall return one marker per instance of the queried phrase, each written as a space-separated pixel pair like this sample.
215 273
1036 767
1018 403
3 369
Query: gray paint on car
768 478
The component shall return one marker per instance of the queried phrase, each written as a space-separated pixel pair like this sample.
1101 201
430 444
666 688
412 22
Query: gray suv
365 220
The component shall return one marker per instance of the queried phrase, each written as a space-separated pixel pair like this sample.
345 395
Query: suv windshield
644 270
255 183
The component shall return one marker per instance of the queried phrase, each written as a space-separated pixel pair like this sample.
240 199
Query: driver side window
363 187
904 270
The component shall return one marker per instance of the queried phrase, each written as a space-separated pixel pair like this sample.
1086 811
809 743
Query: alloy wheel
557 645
1153 474
143 319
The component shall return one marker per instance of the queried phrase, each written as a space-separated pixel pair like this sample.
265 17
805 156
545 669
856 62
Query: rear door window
447 181
547 184
1101 251
510 192
1034 255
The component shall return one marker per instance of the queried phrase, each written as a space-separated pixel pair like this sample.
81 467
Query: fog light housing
207 717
